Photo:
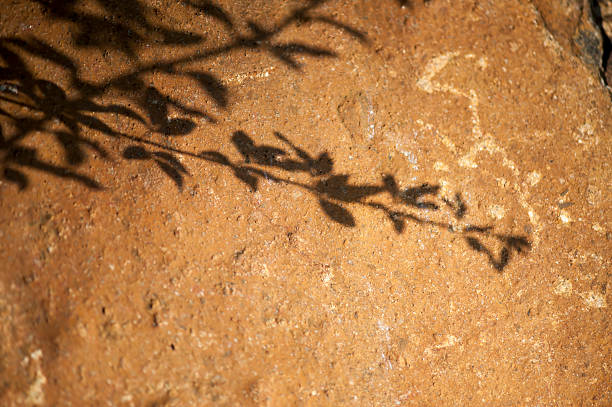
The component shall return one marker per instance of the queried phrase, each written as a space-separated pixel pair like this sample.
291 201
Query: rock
575 25
304 203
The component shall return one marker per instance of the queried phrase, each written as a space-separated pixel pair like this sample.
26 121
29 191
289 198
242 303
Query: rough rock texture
573 24
302 203
603 12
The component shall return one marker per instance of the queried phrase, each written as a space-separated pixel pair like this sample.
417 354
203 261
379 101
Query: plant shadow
68 115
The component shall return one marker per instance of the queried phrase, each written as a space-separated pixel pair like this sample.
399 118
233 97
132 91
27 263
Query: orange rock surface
309 203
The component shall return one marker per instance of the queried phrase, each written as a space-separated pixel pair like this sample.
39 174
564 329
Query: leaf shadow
73 115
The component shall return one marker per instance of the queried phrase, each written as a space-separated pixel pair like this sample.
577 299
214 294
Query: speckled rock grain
301 203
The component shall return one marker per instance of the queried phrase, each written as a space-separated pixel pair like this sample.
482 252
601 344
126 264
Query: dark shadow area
335 193
606 57
31 105
166 161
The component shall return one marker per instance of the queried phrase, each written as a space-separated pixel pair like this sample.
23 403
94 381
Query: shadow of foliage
128 27
123 25
335 193
167 162
31 104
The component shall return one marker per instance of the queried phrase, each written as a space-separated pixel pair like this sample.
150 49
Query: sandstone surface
309 203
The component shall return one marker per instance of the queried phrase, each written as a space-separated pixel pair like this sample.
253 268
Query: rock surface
303 203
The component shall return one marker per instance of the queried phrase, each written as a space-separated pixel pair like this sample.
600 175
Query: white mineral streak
241 77
449 340
563 287
35 394
533 178
593 299
482 142
498 212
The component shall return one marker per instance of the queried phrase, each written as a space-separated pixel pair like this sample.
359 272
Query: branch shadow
335 193
126 27
31 104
